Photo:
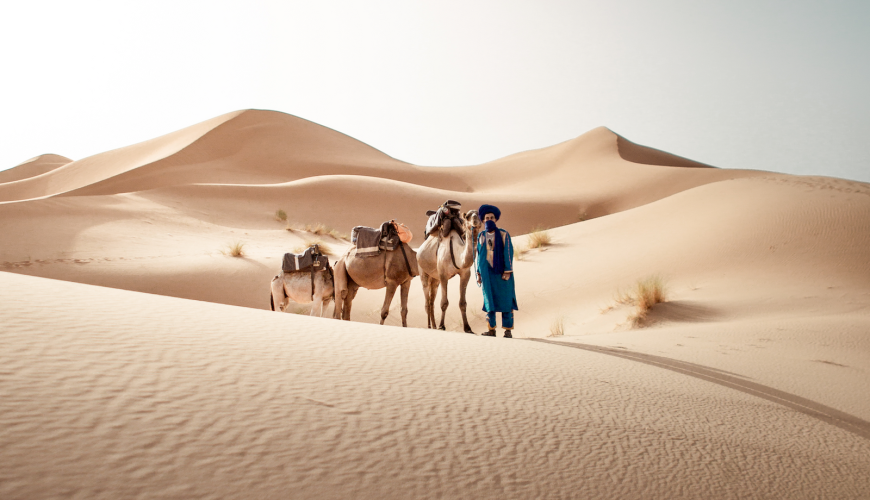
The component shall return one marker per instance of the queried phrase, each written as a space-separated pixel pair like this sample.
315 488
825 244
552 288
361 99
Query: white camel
296 286
440 258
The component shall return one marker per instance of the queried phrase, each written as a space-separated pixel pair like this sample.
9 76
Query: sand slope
106 165
117 394
35 166
596 174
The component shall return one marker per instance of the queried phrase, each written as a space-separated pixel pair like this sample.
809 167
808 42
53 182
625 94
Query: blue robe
498 294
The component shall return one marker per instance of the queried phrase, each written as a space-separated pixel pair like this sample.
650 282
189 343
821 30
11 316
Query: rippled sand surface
114 394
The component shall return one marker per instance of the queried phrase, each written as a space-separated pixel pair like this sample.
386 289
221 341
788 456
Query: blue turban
488 209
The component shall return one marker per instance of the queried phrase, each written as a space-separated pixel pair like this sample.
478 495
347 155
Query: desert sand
195 388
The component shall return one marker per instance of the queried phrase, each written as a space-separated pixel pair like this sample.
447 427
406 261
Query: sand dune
646 155
768 279
265 147
33 167
97 168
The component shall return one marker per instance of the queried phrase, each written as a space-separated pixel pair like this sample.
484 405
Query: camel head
473 220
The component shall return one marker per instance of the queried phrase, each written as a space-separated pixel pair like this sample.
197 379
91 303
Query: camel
388 269
443 257
296 286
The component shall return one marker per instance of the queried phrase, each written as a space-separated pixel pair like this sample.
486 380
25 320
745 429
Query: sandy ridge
33 167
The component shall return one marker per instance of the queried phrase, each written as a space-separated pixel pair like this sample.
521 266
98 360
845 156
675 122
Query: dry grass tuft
645 294
316 228
236 249
539 238
557 327
280 216
520 252
319 230
324 248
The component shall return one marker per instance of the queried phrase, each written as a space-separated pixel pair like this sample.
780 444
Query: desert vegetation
324 248
520 252
280 215
318 229
236 249
539 237
646 293
557 327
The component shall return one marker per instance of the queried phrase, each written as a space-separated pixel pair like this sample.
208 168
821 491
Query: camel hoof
469 330
441 328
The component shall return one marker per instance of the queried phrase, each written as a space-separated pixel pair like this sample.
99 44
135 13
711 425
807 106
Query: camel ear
430 213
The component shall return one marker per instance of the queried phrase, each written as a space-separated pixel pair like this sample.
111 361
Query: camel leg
406 287
424 280
433 292
388 299
463 288
278 296
352 288
444 303
325 305
317 300
340 285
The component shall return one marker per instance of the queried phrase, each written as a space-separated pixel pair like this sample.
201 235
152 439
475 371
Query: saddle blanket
370 241
367 240
304 262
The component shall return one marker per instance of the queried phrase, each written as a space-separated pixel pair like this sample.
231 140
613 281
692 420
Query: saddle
309 260
371 242
447 218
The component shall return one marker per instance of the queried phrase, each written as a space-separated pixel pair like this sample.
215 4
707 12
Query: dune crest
646 155
99 167
35 166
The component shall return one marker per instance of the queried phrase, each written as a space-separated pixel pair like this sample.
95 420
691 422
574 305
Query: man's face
489 217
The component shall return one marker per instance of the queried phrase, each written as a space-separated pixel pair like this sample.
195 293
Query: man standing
494 266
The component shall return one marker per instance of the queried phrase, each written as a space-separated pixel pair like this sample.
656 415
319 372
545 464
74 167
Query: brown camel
388 269
443 257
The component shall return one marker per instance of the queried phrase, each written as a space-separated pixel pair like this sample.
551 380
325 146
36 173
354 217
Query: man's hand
479 281
506 276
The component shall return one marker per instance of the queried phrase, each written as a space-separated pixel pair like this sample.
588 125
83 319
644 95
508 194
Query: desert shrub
318 229
280 216
520 252
324 248
334 233
646 293
539 238
557 327
650 291
236 249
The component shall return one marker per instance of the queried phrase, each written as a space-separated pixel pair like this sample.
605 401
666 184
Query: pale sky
772 85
